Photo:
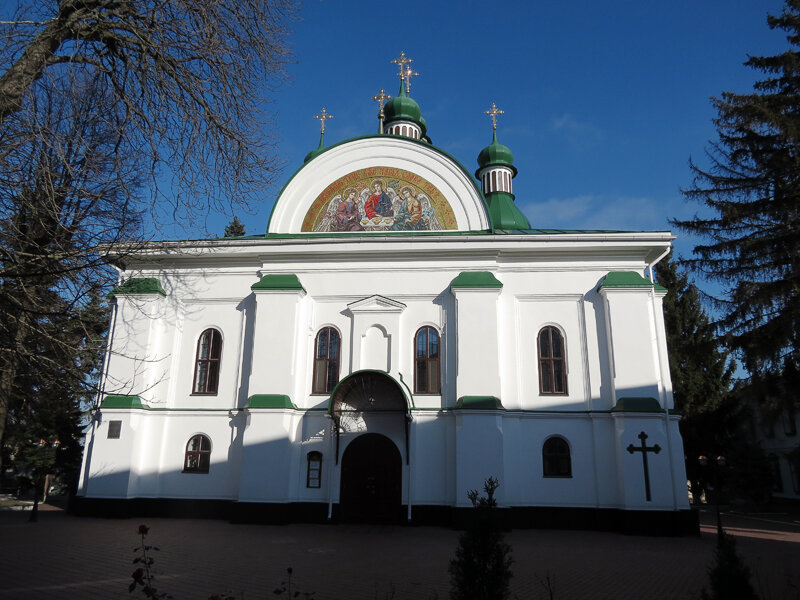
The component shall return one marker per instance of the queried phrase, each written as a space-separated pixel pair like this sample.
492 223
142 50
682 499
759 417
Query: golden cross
493 112
401 62
381 98
322 117
408 75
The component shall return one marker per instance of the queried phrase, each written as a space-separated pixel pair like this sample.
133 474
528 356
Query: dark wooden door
371 481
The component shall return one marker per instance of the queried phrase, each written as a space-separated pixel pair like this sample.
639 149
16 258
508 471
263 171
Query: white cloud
577 133
598 212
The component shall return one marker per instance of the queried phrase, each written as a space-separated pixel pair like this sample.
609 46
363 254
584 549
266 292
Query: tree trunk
30 66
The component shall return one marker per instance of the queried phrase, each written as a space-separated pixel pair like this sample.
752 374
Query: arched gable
424 189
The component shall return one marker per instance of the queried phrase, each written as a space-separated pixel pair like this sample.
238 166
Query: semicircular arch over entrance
366 397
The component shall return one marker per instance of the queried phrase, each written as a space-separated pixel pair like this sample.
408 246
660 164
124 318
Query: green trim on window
628 279
123 402
642 405
270 401
138 285
479 403
288 281
476 279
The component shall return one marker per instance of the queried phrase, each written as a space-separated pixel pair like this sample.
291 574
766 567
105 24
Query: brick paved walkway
63 556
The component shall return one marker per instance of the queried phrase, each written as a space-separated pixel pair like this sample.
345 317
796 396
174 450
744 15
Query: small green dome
317 151
403 107
496 154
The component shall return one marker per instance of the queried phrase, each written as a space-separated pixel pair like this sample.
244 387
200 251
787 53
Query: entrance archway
372 479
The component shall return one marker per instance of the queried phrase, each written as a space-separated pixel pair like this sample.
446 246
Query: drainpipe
658 356
408 462
331 468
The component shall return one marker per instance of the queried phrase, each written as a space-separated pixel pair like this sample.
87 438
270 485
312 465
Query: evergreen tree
752 186
700 369
728 575
481 569
235 228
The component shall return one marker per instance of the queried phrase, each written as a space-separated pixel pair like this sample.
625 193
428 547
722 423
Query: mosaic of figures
388 203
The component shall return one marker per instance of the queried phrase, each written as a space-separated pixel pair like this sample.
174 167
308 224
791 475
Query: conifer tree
700 370
235 228
752 188
728 575
481 569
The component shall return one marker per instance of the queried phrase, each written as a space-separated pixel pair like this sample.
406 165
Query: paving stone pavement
63 556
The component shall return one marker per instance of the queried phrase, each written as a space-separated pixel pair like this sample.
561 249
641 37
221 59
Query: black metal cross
644 449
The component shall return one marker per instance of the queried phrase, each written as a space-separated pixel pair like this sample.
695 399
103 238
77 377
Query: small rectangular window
314 473
114 429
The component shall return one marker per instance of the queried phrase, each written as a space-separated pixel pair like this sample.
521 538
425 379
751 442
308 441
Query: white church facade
399 334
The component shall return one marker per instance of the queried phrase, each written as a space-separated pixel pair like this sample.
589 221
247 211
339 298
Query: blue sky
604 101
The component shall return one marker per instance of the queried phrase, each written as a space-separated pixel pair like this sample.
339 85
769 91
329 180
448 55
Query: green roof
495 154
270 401
403 107
628 279
476 279
139 285
120 401
504 214
317 151
288 281
479 403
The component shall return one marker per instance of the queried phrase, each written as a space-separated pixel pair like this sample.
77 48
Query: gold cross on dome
322 116
407 76
381 98
402 62
493 112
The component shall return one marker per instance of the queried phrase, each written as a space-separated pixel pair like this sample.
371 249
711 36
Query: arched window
198 455
552 362
206 366
556 461
427 374
314 473
326 361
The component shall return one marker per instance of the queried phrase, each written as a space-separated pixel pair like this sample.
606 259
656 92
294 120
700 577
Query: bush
481 569
728 576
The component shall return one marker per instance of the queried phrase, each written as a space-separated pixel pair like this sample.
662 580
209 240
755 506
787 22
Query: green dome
495 154
403 107
317 151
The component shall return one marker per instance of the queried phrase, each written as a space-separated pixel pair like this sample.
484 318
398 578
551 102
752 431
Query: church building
398 335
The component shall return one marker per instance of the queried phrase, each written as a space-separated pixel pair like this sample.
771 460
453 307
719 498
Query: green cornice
628 279
123 402
640 405
504 214
270 401
287 281
479 403
476 279
138 285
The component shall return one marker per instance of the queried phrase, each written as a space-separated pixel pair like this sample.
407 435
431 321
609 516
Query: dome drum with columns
398 335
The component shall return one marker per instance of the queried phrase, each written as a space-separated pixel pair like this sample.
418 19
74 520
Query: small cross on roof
323 116
493 112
